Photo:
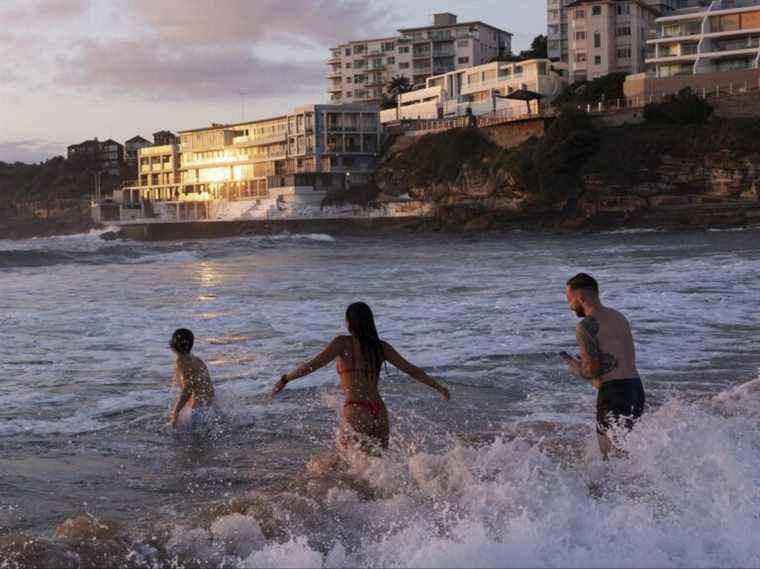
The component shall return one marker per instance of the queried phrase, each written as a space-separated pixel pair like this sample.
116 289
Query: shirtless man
192 377
607 359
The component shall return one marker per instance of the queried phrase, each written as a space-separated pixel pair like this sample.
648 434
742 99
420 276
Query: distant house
164 137
106 156
131 148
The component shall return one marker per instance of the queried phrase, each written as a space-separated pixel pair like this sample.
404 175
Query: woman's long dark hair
361 324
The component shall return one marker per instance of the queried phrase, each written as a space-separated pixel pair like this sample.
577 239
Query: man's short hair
182 340
583 281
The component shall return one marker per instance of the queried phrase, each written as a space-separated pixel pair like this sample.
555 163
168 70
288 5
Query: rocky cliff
578 177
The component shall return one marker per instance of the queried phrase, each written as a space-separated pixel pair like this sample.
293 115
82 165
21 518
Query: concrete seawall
218 229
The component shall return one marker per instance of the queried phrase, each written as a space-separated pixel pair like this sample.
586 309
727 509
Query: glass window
597 60
596 10
597 39
580 35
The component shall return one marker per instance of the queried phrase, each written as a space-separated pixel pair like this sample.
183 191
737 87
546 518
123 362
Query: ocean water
505 474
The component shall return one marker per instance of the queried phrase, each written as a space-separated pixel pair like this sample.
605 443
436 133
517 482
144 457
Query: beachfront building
244 162
559 23
723 36
478 90
710 48
608 36
106 156
360 71
163 137
131 148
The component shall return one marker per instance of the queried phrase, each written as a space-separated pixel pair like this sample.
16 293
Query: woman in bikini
360 357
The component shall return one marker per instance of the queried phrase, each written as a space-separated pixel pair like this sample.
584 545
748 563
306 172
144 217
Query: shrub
682 108
549 167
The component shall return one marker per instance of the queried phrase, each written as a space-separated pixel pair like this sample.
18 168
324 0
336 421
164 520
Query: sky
72 70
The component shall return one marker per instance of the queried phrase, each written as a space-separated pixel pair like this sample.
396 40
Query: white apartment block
723 35
361 70
476 90
558 36
608 36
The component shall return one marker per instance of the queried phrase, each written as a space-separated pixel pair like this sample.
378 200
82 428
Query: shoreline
682 218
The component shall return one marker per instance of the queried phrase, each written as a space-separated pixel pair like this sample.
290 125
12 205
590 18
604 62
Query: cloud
254 22
188 49
30 151
138 69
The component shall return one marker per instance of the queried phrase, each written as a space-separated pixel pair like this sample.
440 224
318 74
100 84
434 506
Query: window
403 65
463 43
580 36
580 57
623 31
348 80
580 14
358 49
597 39
359 78
597 60
388 46
404 49
624 53
348 51
349 94
623 9
348 65
518 70
463 60
391 60
596 10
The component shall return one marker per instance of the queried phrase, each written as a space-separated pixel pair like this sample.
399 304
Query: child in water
191 376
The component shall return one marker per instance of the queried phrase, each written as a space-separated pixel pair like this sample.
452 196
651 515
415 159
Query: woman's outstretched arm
412 370
321 360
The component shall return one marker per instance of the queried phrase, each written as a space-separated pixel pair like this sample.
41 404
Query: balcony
421 55
444 52
335 88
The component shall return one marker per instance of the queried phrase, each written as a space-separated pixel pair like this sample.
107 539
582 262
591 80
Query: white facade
452 94
361 70
723 36
608 36
558 25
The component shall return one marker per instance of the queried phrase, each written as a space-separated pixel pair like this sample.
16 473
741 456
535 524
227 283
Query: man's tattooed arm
594 363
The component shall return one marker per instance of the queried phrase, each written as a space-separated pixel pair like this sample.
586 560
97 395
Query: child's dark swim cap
182 341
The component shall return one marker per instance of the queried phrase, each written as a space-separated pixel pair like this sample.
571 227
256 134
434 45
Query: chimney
444 19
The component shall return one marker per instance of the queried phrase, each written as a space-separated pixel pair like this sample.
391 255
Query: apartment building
558 30
105 156
477 90
163 137
240 161
131 148
722 36
608 36
361 70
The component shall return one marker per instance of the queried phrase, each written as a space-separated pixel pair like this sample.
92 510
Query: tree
538 50
398 85
539 47
606 88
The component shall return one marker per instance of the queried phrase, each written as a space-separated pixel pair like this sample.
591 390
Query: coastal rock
86 526
23 552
